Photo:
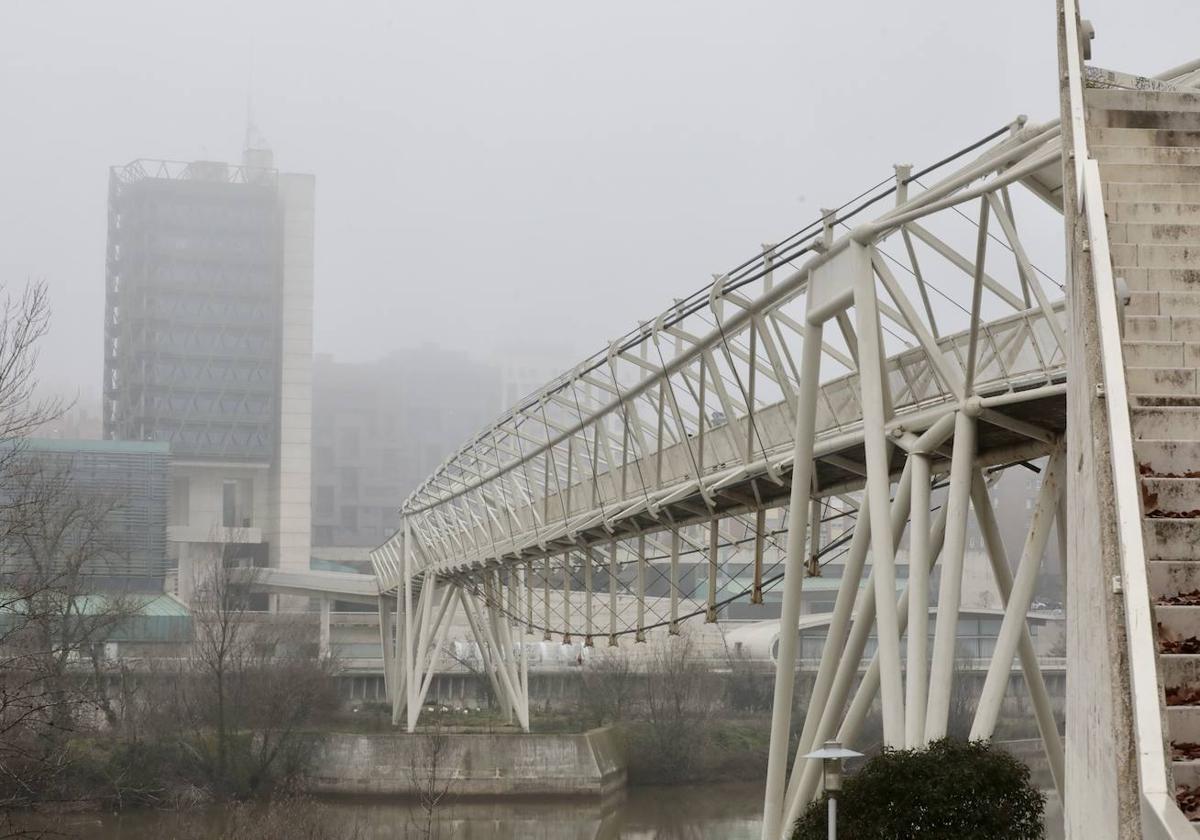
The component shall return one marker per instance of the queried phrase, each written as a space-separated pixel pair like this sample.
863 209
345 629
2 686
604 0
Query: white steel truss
848 370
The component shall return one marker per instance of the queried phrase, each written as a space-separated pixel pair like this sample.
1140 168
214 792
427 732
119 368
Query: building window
244 512
181 500
350 518
325 501
349 442
324 458
350 482
229 504
390 461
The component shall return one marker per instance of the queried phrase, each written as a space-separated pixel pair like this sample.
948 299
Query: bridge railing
1019 352
1161 816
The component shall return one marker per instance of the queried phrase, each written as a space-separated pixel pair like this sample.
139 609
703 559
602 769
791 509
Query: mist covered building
379 429
208 348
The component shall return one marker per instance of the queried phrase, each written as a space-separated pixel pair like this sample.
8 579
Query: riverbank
714 749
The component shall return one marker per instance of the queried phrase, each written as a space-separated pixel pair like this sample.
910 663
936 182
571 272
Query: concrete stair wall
1148 148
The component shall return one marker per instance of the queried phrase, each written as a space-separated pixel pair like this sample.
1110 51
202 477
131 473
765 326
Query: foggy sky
511 177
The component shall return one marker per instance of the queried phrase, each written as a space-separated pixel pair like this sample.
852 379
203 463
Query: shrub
951 790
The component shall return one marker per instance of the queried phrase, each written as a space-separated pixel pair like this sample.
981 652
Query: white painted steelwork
831 375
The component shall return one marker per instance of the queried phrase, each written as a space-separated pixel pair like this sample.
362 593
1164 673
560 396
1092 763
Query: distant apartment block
381 427
208 348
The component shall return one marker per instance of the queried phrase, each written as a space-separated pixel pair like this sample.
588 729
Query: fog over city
619 420
527 177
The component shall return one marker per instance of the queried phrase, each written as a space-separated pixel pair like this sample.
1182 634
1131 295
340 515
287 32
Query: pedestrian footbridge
882 365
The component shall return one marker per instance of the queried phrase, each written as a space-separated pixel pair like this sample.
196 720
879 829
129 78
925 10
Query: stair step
1173 577
1155 256
1166 400
1162 328
1166 422
1171 539
1160 279
1151 173
1180 669
1183 723
1160 192
1137 233
1156 354
1146 154
1147 328
1152 211
1116 99
1162 302
1107 136
1172 494
1178 457
1186 773
1161 381
1143 303
1186 304
1174 120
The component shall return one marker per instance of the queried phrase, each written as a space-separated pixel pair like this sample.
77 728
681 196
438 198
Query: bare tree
54 540
679 698
251 685
24 318
35 641
609 686
965 686
748 686
431 775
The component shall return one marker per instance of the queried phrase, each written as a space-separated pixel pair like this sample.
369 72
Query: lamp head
832 755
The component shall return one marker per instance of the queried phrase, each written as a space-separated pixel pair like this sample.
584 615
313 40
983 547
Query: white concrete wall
205 497
587 764
195 533
291 486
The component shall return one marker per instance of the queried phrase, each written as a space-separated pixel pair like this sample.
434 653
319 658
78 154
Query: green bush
951 790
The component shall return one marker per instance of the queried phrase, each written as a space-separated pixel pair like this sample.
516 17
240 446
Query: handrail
1161 816
1000 159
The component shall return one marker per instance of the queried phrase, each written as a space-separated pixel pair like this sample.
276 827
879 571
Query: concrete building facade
109 498
379 428
208 349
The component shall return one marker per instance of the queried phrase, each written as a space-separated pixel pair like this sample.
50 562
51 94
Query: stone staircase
1148 147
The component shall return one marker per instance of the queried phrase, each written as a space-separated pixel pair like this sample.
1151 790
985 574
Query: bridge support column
399 670
387 643
945 632
485 653
917 666
507 674
845 660
1014 633
323 646
793 580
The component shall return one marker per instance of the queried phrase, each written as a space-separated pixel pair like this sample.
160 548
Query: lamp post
832 755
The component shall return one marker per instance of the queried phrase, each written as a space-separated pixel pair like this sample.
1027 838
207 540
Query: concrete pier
398 764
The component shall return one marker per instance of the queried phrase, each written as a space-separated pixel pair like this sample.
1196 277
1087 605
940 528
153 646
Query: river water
697 812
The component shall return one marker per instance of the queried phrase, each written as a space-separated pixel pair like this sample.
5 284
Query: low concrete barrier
586 764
